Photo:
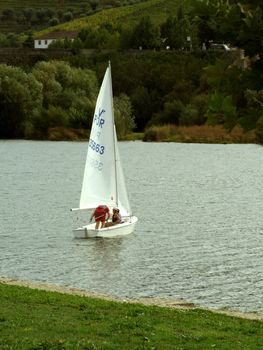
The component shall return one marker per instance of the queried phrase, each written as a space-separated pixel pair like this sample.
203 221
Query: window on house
39 42
45 42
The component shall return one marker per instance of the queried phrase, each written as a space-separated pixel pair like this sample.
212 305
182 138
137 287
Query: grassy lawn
34 319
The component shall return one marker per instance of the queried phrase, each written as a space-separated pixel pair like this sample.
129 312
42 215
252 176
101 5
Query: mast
114 133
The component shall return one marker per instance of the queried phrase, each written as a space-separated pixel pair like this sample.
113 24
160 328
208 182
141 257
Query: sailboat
103 181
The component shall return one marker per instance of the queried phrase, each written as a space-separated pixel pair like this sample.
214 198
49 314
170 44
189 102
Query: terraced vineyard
13 19
38 4
159 10
123 13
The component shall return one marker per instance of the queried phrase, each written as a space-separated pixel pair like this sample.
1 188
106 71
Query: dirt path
179 304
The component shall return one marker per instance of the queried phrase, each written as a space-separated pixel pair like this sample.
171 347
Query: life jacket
101 211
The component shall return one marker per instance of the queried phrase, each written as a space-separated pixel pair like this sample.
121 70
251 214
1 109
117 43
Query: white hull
123 229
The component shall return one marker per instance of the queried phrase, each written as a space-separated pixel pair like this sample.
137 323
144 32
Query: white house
43 41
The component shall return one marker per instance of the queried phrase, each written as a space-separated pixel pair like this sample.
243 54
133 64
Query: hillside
178 81
47 15
158 10
18 16
22 4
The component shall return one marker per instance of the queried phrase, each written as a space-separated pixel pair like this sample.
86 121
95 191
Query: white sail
99 181
103 181
123 200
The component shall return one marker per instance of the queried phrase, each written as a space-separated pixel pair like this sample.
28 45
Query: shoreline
205 134
161 302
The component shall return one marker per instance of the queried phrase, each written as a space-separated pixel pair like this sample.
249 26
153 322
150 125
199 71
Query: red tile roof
57 35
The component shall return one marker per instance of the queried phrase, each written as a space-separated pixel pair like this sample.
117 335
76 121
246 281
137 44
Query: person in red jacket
100 214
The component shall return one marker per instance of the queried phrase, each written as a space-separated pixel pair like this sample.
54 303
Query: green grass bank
38 319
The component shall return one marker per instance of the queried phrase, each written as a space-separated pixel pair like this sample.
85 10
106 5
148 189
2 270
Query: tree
169 32
28 14
144 104
259 130
146 34
95 38
41 14
124 118
94 4
50 12
45 73
20 101
10 40
68 94
230 27
29 42
194 112
8 14
221 110
53 22
126 35
251 33
67 16
60 15
170 114
210 17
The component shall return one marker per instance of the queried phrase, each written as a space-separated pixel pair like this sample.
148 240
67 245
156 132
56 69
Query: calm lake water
200 232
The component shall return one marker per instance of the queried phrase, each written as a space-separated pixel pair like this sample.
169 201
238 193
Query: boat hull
123 229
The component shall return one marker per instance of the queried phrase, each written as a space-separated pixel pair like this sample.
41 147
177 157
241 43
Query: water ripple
199 235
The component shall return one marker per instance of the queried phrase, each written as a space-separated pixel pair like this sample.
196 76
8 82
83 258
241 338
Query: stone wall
28 56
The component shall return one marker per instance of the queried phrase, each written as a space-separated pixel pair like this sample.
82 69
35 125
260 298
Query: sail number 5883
96 146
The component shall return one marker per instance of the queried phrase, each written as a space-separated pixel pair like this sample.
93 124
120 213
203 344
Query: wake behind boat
103 181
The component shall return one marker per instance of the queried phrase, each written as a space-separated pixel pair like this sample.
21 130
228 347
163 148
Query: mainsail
103 181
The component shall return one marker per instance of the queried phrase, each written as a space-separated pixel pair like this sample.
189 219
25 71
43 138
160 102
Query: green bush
56 116
150 135
171 113
67 16
20 100
259 130
124 118
221 110
53 22
8 14
194 112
